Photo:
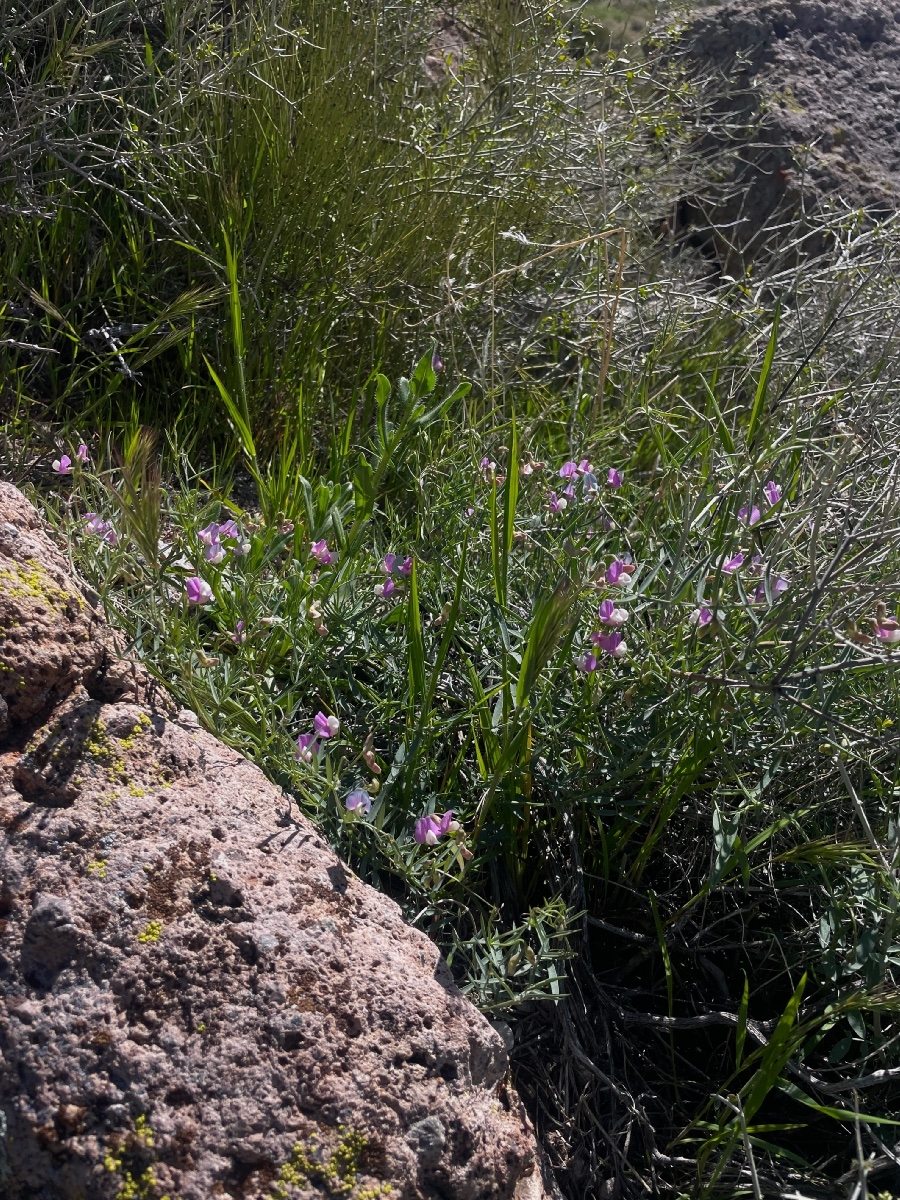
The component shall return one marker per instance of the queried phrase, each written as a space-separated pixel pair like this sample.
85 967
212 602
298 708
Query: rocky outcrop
808 96
197 998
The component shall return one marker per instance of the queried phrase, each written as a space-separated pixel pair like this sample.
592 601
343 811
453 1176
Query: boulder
197 997
807 98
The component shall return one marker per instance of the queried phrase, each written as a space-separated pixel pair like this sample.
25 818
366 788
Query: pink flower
214 552
612 616
557 504
320 552
772 492
326 727
587 663
198 590
405 568
63 466
568 470
614 479
749 515
585 468
389 563
437 365
488 468
733 564
359 800
569 492
82 453
101 528
307 747
701 617
611 643
888 631
386 589
239 636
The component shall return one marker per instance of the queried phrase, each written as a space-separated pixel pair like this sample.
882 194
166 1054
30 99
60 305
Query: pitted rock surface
197 998
824 78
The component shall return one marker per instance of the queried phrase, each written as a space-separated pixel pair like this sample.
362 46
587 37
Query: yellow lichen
334 1171
97 869
151 932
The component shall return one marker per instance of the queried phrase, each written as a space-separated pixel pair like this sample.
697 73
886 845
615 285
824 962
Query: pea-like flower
488 468
589 484
63 465
320 552
405 568
307 747
585 467
619 573
430 829
772 492
887 629
557 504
778 587
359 801
101 528
729 566
240 634
198 590
611 643
386 589
437 365
701 617
612 616
82 453
568 470
587 663
326 727
613 479
749 516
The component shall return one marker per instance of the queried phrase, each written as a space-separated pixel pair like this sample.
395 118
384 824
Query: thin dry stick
610 326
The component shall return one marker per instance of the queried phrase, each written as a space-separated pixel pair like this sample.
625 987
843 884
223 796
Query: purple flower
587 663
320 552
82 453
778 587
732 564
557 504
589 484
63 466
326 727
569 492
772 492
614 479
612 616
209 534
307 747
390 561
229 530
611 643
101 528
701 617
239 636
568 470
585 468
430 829
358 800
749 515
619 573
198 590
214 552
488 468
405 568
386 589
437 365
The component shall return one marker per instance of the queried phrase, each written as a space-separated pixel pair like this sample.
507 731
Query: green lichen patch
151 932
29 581
127 1159
334 1167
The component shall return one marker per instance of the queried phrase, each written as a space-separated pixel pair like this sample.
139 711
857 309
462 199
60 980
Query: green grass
675 872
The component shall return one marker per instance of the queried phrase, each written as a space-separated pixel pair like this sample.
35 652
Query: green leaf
553 617
781 1046
741 1034
415 644
760 398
